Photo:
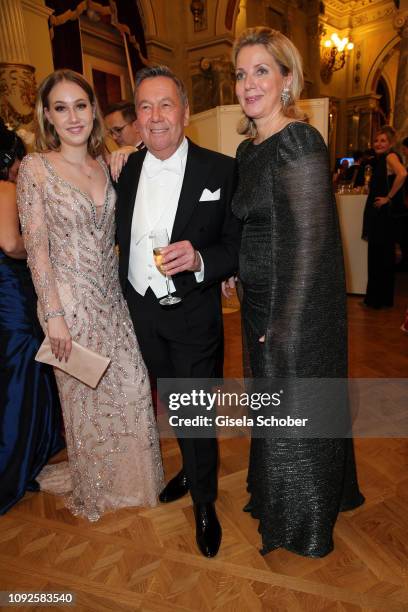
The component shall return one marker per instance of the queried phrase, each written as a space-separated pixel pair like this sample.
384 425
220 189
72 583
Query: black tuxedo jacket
210 226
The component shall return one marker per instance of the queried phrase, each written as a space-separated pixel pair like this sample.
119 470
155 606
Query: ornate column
314 30
401 97
17 80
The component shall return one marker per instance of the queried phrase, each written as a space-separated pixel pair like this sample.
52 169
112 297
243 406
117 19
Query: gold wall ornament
198 9
401 22
17 94
333 55
213 81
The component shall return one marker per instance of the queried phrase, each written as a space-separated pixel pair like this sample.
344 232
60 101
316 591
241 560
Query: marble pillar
17 79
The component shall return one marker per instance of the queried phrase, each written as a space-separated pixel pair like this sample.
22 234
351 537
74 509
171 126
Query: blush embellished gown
112 441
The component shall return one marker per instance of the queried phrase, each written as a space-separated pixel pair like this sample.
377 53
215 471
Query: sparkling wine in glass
160 239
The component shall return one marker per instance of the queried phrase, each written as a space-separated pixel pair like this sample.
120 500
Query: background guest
404 220
385 201
121 124
355 173
29 407
341 176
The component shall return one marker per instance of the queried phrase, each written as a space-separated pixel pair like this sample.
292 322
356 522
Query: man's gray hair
150 72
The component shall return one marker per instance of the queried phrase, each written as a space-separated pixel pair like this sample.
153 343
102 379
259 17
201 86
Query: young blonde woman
66 204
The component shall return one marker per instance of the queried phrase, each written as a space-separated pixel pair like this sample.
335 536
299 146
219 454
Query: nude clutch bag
83 364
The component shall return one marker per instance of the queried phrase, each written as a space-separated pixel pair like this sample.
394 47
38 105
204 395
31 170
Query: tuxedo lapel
129 190
194 179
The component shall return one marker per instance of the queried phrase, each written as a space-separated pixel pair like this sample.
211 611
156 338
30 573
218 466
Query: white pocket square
210 196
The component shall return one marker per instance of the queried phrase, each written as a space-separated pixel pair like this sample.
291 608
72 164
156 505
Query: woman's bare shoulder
7 190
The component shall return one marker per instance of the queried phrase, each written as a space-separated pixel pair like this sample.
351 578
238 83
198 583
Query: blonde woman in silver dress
66 203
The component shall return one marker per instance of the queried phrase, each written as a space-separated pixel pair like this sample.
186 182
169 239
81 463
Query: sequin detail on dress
112 441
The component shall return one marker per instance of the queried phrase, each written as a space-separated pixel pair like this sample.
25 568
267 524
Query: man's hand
179 257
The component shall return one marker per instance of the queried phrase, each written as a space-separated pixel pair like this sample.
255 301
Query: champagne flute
160 239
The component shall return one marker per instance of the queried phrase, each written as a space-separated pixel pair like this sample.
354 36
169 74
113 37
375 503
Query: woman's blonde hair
388 131
46 137
289 62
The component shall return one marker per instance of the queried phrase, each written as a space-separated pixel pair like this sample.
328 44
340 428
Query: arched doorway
384 103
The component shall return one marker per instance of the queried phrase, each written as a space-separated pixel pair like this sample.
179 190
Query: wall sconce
333 55
197 7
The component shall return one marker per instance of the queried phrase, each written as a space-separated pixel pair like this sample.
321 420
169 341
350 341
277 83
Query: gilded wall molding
213 82
17 94
401 23
371 16
379 63
355 13
37 9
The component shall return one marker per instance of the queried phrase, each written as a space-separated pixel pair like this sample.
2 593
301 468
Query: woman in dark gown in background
30 425
294 310
385 203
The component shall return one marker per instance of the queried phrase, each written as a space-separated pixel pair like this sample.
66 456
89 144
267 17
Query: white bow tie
154 166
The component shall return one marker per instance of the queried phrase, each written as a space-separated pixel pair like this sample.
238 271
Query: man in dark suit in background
120 121
176 185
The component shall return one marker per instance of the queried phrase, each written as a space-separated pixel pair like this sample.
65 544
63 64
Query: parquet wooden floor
147 560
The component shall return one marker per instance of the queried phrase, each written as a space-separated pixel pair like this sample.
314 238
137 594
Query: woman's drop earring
285 96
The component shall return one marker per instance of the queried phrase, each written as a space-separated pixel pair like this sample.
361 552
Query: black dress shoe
176 487
208 529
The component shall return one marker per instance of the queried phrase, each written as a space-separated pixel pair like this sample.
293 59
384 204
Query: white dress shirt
155 208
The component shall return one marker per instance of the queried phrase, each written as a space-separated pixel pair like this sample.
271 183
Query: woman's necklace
88 173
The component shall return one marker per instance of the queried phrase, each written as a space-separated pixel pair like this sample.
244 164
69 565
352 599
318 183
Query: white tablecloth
350 209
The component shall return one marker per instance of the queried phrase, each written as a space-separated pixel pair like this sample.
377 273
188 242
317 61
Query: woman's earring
285 96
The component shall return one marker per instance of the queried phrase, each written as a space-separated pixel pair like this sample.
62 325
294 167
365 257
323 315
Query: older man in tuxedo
186 189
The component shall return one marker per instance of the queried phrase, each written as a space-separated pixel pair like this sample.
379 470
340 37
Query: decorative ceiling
354 13
354 5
